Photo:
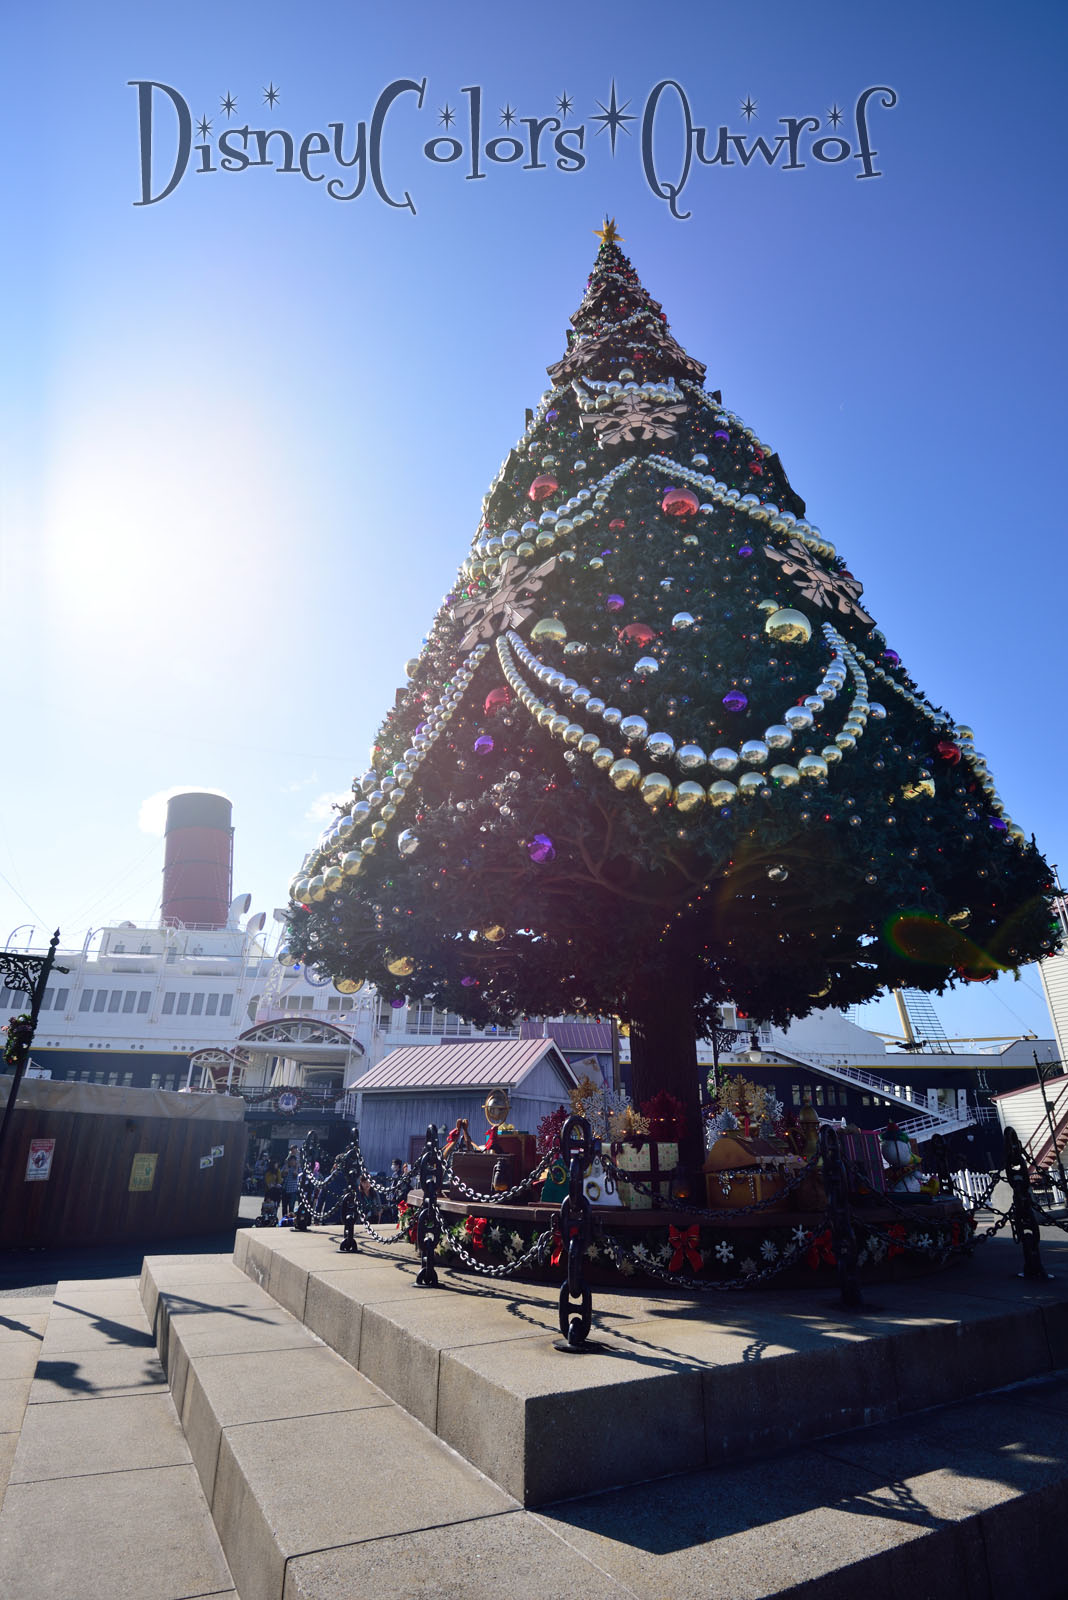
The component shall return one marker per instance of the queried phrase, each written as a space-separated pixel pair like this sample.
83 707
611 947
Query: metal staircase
922 1124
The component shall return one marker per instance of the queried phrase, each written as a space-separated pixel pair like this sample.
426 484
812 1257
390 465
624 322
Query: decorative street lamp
30 974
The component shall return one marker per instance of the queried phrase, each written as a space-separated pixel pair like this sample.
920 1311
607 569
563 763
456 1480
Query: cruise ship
199 1000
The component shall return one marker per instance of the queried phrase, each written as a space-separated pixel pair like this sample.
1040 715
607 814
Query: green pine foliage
491 859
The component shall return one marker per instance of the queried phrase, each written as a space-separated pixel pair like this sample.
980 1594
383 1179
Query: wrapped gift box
863 1152
654 1163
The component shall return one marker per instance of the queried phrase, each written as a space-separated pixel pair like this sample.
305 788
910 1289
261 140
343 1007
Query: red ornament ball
543 487
617 525
948 751
638 633
496 699
679 503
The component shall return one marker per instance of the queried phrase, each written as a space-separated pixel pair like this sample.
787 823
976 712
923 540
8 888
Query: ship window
212 1005
100 999
183 1004
171 1081
46 1000
129 1000
226 1005
61 998
113 1079
155 1081
143 1000
795 1094
168 1002
198 1004
145 950
86 1001
98 1077
819 1094
116 1000
127 1080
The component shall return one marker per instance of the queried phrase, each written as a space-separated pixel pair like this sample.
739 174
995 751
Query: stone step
323 1489
737 1375
103 1498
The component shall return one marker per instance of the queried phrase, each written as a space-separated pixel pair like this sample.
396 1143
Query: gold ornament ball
377 830
922 788
751 783
603 758
812 768
574 733
558 725
333 878
348 985
656 788
400 966
625 774
550 630
317 888
959 919
494 934
723 792
300 889
785 776
831 754
787 626
368 844
845 741
689 797
588 744
351 863
286 958
525 549
767 605
411 667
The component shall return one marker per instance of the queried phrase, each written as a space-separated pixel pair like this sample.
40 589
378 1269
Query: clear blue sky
246 430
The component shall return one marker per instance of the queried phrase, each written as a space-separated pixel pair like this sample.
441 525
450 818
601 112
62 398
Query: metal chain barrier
535 1256
578 1148
456 1185
620 1252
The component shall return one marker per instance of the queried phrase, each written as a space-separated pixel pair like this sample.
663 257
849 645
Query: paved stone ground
963 1502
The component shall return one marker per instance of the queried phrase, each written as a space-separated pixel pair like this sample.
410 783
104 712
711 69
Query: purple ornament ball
483 745
541 848
614 602
735 700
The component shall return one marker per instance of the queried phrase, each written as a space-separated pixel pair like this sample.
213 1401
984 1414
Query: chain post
939 1160
842 1231
350 1205
1024 1221
577 1149
302 1215
429 1174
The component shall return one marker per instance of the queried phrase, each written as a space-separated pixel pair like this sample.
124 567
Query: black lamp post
30 974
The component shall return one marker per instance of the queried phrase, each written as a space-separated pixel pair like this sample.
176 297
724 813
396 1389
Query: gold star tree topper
608 234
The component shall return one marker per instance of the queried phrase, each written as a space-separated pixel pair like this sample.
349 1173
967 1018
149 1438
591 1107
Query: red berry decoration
679 503
543 487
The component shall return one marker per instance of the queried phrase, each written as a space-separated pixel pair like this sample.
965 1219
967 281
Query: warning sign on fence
39 1163
143 1172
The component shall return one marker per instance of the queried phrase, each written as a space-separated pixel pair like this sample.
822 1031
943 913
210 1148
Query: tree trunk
663 1049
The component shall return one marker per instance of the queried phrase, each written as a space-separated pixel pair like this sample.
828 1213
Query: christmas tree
654 754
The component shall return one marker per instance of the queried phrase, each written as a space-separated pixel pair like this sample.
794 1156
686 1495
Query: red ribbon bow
475 1227
897 1234
684 1242
820 1250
